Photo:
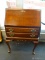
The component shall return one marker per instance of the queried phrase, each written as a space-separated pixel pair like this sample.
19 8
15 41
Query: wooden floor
22 51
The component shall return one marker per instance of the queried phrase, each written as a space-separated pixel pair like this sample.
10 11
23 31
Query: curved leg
35 45
7 42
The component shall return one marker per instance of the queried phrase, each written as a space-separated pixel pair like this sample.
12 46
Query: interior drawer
28 35
21 30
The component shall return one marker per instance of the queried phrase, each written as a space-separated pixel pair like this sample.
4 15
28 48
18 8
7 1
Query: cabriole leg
35 45
7 42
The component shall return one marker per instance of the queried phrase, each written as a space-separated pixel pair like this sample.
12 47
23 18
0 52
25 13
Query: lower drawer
27 35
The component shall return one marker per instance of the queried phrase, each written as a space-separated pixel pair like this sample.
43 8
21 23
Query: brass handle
32 35
10 30
33 30
11 35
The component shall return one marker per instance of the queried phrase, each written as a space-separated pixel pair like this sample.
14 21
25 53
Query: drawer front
21 30
27 35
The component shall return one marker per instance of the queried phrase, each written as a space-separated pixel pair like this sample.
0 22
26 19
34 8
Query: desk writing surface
23 17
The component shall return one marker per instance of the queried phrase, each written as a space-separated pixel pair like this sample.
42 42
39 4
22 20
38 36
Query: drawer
21 30
27 35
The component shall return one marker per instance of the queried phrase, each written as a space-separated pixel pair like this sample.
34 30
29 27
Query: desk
22 25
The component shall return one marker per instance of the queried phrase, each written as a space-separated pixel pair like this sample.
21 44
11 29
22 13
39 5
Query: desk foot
9 51
33 53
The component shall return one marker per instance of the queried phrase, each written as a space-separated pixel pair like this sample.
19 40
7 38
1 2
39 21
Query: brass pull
10 30
32 35
33 30
11 35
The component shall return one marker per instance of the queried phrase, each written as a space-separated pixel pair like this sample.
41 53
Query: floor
22 51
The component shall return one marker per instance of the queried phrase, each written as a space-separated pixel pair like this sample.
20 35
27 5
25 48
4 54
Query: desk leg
9 49
35 45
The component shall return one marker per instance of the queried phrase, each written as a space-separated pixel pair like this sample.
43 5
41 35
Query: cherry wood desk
22 25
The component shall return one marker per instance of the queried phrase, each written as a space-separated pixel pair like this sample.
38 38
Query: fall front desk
22 25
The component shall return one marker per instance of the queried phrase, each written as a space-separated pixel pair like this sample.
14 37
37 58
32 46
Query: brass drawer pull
11 35
10 30
32 35
33 30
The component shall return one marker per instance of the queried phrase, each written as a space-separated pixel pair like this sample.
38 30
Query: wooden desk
22 25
